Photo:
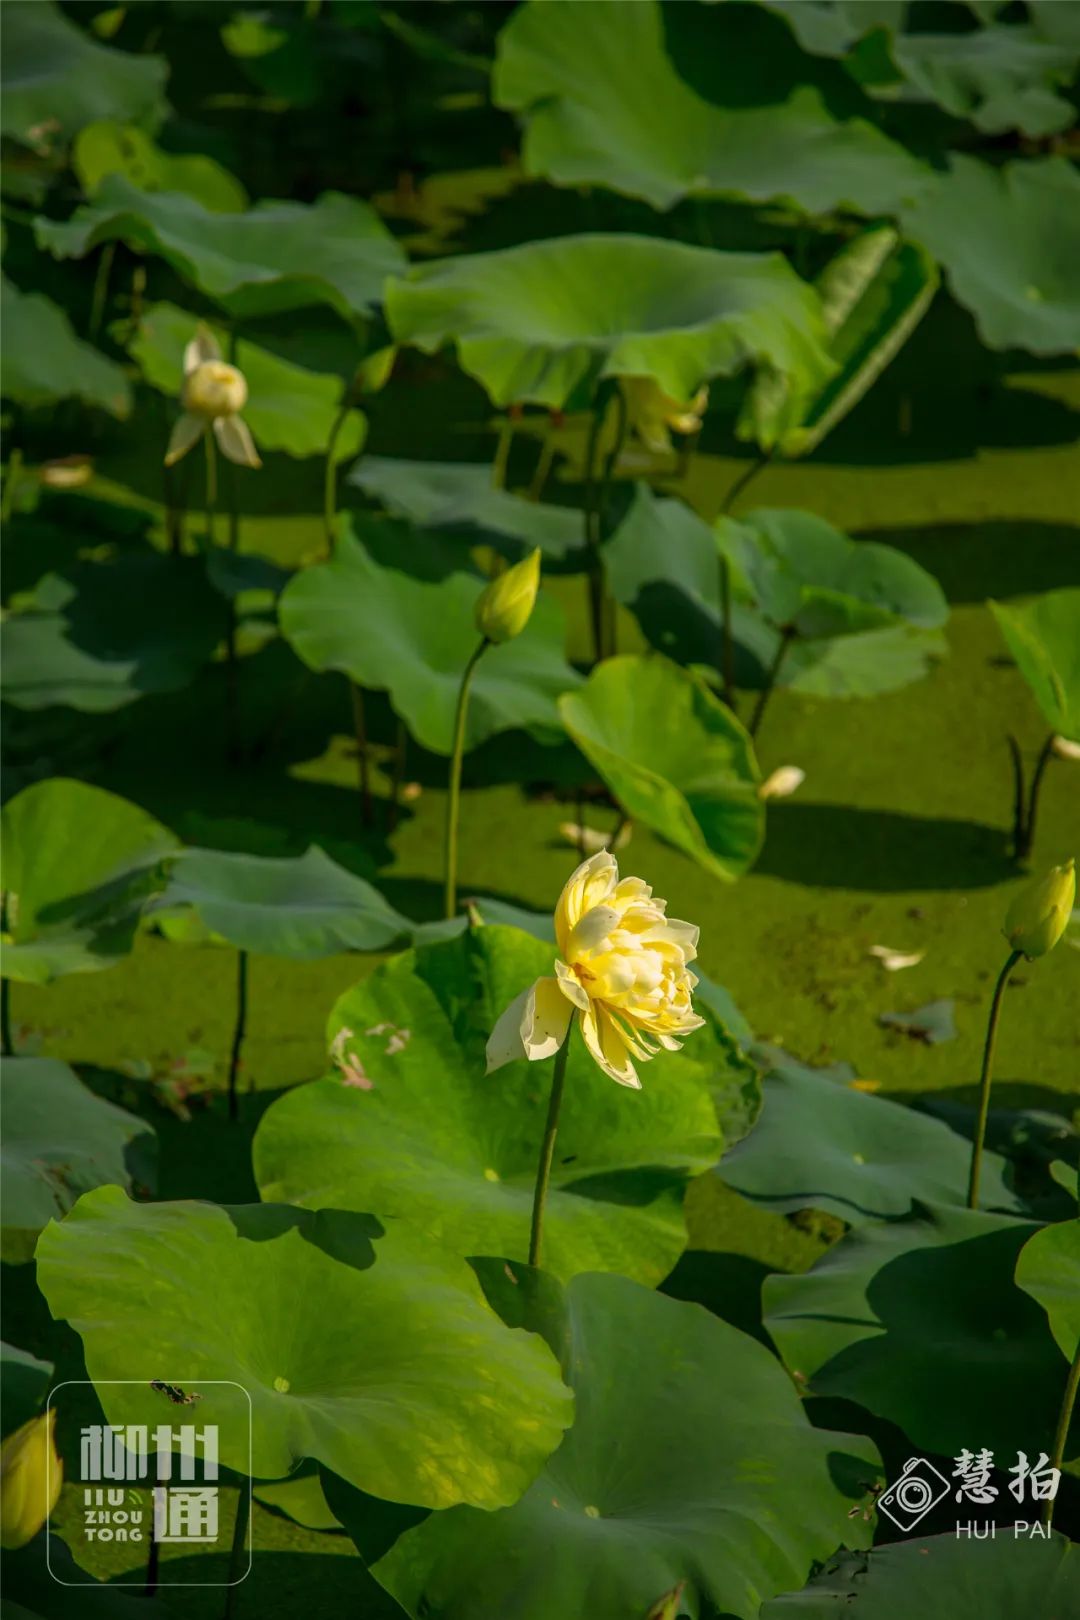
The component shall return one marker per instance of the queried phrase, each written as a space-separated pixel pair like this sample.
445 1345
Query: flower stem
1061 1436
596 577
502 453
985 1079
727 639
453 799
1018 795
547 1151
7 1046
356 694
610 463
744 479
211 484
101 290
786 637
1027 838
543 464
401 744
239 1030
238 1551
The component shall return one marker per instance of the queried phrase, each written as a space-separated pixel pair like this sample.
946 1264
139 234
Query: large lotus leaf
38 1576
103 633
423 1133
1049 1270
413 637
604 105
873 293
359 1347
460 495
288 408
56 78
78 865
108 148
919 1320
1043 636
691 1460
42 360
819 1144
256 263
302 907
801 572
674 756
539 321
1009 241
59 1141
1007 1577
1002 77
663 562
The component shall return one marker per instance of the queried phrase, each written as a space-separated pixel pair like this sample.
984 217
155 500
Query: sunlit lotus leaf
59 1142
539 321
691 1460
358 1346
459 496
108 147
43 361
78 866
933 1294
663 562
1043 636
802 573
288 407
604 104
256 263
873 293
413 1126
1049 1270
301 907
1009 241
99 635
56 77
939 1577
674 756
413 637
1001 77
819 1144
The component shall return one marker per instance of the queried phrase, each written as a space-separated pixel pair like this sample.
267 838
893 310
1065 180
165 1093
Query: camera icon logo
908 1499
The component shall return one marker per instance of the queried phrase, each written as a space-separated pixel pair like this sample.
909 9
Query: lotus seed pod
215 388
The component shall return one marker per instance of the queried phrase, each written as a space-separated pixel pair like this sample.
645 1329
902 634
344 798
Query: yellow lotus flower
213 395
622 967
31 1474
654 415
1038 916
505 606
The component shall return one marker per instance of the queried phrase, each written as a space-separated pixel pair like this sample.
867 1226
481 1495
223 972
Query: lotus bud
505 606
215 388
30 1476
1038 916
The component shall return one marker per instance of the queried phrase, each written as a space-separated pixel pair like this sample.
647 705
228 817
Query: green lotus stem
727 638
153 1561
356 694
7 1045
101 289
453 797
330 471
1061 1435
11 484
211 485
744 479
502 453
1019 795
239 1030
787 636
401 744
611 461
547 1152
985 1079
543 463
1026 840
238 1550
596 579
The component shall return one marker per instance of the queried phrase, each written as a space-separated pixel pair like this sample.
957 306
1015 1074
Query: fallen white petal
783 782
1064 748
892 960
